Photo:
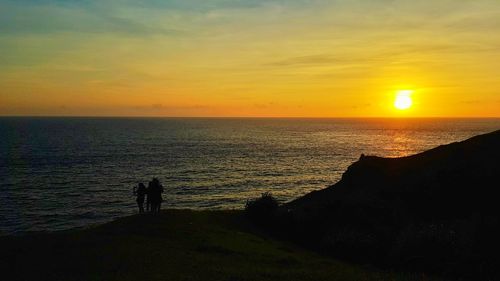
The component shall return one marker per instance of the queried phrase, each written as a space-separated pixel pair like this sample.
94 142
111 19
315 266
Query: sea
62 173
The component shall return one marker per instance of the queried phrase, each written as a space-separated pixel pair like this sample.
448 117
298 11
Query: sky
249 58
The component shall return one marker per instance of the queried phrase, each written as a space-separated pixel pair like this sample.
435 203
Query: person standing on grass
140 193
148 197
154 195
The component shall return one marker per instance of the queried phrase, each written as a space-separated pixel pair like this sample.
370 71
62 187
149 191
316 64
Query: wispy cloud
19 18
309 60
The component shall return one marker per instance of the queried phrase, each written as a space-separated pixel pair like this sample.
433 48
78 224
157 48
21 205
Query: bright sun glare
403 99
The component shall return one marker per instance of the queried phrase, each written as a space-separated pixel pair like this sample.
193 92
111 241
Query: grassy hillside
175 245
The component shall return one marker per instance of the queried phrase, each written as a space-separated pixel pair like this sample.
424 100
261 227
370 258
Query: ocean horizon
64 172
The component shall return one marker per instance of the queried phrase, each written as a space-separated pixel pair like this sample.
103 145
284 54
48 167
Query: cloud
382 52
307 60
266 105
161 107
42 19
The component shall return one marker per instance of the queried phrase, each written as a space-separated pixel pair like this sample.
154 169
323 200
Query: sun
403 99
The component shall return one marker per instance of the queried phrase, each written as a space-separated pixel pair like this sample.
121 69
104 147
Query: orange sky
250 58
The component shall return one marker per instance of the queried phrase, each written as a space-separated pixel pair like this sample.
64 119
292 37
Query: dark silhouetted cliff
438 210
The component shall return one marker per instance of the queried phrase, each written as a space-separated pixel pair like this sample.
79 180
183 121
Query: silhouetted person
155 190
148 197
140 193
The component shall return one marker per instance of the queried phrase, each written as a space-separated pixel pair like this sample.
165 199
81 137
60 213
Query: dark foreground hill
436 211
175 245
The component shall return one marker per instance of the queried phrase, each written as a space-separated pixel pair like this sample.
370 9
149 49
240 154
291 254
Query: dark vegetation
437 211
173 245
261 210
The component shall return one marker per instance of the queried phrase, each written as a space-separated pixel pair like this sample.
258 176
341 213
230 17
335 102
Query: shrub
261 210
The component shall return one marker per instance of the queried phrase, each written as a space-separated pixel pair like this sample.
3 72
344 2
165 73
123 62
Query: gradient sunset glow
250 58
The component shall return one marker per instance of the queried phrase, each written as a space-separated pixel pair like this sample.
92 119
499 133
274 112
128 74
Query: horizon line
251 117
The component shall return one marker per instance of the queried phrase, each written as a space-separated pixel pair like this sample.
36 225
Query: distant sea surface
61 173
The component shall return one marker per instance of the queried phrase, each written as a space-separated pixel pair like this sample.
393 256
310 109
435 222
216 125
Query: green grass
175 245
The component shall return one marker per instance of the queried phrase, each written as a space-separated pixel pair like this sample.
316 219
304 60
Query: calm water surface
59 173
